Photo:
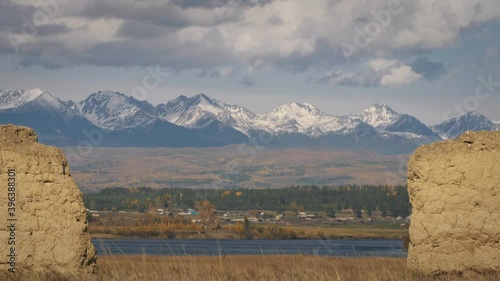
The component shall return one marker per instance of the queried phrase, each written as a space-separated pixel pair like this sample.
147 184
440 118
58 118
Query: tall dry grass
236 268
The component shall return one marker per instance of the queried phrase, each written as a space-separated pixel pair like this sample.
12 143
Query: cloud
428 69
52 29
379 73
291 35
399 76
216 72
247 81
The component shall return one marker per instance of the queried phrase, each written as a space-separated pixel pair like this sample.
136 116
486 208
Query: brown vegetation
208 168
222 268
152 226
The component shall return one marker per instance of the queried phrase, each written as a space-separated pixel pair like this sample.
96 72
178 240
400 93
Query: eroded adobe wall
43 223
454 189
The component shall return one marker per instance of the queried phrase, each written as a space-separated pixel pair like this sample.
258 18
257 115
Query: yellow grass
358 232
228 268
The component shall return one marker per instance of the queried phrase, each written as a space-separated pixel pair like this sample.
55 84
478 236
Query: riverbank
348 231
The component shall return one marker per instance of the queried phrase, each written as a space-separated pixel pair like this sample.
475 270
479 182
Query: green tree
330 212
247 229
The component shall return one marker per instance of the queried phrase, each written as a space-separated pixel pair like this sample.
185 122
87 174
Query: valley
234 166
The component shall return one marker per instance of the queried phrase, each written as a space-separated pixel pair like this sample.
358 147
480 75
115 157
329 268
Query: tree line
390 201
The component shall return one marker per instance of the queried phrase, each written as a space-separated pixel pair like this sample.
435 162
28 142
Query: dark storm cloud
428 69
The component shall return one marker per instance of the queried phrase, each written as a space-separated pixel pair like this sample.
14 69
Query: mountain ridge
203 121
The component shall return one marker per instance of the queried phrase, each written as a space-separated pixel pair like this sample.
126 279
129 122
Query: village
287 218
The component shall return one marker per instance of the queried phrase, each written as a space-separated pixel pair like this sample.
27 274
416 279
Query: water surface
207 247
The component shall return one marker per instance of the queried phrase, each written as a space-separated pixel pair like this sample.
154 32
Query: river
200 247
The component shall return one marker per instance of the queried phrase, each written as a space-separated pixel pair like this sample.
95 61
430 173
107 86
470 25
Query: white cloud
378 73
381 64
299 34
399 76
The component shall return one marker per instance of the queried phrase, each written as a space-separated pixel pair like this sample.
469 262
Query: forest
389 200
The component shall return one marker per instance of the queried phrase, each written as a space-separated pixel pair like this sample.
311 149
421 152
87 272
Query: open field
233 166
251 268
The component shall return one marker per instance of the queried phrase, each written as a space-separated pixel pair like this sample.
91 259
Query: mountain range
201 121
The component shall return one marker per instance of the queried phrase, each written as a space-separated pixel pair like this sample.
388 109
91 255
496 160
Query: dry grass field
250 268
231 166
349 231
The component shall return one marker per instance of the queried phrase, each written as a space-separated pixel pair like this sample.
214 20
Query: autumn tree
206 210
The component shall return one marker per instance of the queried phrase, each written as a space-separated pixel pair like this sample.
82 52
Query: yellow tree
206 210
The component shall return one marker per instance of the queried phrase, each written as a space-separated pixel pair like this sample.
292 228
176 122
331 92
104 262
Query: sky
431 59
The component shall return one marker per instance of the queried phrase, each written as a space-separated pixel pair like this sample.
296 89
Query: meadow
251 268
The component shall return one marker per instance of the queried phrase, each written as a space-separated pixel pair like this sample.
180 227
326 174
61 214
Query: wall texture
43 222
454 189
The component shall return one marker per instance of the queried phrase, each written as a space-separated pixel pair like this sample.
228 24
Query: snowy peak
183 102
378 115
471 121
115 111
200 111
382 117
204 100
18 98
296 109
297 117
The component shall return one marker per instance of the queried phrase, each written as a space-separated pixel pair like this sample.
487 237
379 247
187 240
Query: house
301 214
190 212
94 214
344 220
253 219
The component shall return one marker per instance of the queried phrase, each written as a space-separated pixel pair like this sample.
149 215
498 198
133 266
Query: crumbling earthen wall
43 222
454 188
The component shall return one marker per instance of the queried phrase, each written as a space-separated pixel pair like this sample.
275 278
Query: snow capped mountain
378 115
385 118
115 111
16 98
301 118
200 111
19 98
471 121
203 121
35 100
55 121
